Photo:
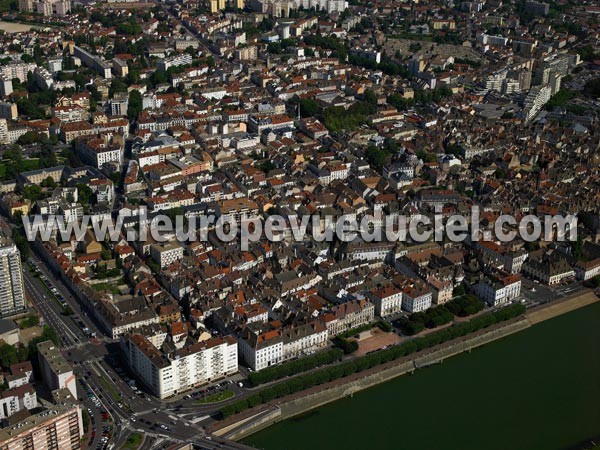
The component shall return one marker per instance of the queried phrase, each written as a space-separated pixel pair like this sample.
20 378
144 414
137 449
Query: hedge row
371 360
295 367
354 331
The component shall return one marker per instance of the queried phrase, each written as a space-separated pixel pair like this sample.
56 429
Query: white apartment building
416 299
348 315
263 349
191 366
498 290
118 106
303 340
56 371
101 149
165 254
260 350
12 292
536 99
6 87
17 70
17 399
174 61
387 300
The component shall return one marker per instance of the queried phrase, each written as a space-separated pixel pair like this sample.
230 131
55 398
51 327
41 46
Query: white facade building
170 374
497 291
416 299
387 300
12 292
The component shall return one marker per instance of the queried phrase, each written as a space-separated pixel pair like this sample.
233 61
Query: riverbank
533 390
256 419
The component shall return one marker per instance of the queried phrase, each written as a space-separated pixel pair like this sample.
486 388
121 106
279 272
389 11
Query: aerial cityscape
299 224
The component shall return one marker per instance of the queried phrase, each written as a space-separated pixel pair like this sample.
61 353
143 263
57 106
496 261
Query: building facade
12 292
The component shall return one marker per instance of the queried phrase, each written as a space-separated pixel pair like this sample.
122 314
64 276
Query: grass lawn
28 164
106 287
218 397
133 441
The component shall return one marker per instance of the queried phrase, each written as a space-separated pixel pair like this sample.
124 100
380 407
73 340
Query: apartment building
498 290
387 300
17 399
351 314
56 371
237 210
416 298
17 70
94 62
167 374
8 110
260 349
174 61
166 254
12 292
101 149
59 427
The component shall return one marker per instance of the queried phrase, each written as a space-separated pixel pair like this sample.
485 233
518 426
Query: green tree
84 193
135 104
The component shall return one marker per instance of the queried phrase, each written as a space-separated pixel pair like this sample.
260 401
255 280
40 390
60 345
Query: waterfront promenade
256 419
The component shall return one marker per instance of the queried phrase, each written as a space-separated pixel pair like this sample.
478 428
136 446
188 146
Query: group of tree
346 345
294 367
371 360
338 47
135 104
432 318
592 88
388 67
336 118
378 156
465 305
13 354
356 330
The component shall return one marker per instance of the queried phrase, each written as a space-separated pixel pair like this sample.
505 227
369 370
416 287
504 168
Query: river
537 389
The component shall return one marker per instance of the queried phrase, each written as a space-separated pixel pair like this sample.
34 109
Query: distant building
537 8
103 68
8 110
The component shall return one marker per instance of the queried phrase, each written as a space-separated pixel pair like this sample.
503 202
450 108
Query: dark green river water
537 389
